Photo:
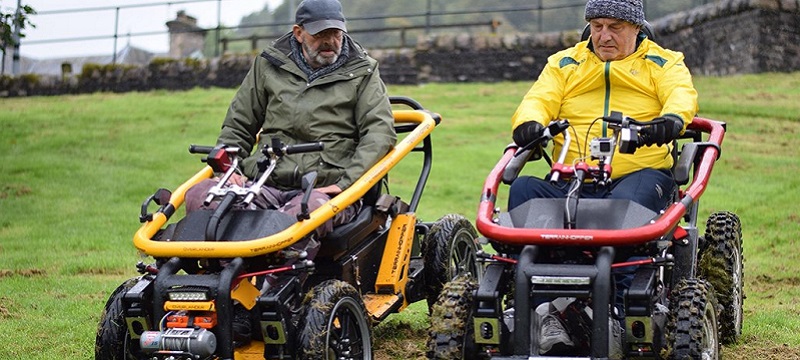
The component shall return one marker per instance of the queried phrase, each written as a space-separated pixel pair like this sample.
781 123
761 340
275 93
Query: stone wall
466 58
735 36
722 38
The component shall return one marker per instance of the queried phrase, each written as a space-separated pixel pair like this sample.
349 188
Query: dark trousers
287 201
648 187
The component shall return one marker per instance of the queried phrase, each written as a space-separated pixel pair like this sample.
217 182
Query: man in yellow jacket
617 69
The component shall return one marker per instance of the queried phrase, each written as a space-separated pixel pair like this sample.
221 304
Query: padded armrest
684 165
514 166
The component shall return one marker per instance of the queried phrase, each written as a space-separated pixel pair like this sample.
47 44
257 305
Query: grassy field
75 170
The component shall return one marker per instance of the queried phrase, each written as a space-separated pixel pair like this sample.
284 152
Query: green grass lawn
75 170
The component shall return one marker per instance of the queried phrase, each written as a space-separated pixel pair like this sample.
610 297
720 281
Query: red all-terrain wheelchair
685 295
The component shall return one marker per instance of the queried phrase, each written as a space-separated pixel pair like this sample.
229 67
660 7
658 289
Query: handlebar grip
555 128
552 129
200 149
302 148
616 118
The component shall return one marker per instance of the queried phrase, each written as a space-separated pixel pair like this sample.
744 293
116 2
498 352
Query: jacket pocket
330 169
335 159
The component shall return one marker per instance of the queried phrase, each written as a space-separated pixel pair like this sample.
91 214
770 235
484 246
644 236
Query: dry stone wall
736 36
722 38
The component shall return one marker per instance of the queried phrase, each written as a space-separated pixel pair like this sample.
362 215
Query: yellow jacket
578 86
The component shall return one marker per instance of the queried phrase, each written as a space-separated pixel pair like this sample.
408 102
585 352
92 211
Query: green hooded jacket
347 110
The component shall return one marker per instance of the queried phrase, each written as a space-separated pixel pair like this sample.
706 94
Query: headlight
188 296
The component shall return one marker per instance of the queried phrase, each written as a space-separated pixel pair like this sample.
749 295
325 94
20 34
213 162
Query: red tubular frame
592 237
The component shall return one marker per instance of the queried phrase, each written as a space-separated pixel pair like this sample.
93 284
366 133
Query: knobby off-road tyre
334 324
448 250
721 263
692 329
451 335
113 341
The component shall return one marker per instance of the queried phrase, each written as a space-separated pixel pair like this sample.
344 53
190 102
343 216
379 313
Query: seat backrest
647 29
372 195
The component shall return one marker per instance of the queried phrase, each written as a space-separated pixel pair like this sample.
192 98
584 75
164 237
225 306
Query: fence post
116 35
539 21
219 23
428 19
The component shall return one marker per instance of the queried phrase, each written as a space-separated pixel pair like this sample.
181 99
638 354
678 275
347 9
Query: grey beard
318 59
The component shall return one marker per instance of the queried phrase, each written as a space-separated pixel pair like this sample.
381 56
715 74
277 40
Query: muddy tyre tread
318 308
693 307
112 331
437 249
721 263
451 328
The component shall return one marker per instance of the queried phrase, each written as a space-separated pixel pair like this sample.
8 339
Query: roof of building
129 55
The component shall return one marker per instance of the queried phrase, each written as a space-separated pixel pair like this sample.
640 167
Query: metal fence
109 26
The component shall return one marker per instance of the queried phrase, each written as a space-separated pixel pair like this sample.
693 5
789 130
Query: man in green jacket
314 84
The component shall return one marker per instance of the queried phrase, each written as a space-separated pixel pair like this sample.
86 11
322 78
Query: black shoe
578 323
242 326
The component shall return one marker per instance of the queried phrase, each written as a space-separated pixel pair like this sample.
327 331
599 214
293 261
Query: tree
19 19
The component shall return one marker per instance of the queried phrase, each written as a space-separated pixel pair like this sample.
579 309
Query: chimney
185 37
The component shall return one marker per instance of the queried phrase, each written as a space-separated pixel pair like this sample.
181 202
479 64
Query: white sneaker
508 319
552 336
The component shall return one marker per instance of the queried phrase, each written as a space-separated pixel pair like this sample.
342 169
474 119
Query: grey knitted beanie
631 11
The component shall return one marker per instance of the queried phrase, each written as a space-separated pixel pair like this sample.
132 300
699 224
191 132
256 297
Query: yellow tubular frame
142 240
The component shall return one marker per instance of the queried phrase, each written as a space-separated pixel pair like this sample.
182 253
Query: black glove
526 132
668 129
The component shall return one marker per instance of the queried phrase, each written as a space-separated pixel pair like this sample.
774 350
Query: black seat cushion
237 225
348 235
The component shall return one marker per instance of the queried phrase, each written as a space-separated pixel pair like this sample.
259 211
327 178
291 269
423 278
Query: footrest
253 350
379 306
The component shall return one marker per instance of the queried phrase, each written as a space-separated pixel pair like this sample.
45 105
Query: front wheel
113 341
692 330
334 324
721 263
449 249
452 330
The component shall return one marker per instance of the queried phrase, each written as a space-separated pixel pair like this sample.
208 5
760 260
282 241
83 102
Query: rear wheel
448 250
113 341
334 324
451 333
692 329
721 263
